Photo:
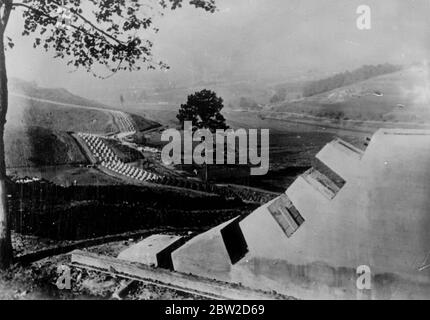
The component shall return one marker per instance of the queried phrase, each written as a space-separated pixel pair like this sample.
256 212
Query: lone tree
91 34
203 108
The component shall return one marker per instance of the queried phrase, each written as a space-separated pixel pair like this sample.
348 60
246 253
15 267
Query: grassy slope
36 146
35 133
143 124
55 94
124 152
57 116
24 113
404 98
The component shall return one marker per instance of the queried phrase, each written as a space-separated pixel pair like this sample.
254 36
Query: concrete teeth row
107 158
124 121
341 158
285 209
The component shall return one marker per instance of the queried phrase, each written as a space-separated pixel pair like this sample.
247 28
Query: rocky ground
39 279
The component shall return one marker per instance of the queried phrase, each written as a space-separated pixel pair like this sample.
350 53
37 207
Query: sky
273 40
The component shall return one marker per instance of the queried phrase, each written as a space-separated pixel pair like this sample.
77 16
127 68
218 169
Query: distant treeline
347 78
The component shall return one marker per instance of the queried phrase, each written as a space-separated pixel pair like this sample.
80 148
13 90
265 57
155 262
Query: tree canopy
203 108
100 32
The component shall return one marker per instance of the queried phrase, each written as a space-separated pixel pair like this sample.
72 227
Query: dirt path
112 113
59 103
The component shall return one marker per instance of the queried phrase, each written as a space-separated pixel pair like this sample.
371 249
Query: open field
293 145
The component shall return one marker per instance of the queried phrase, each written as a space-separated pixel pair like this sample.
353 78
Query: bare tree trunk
6 252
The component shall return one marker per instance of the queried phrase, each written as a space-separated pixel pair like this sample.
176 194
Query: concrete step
321 182
341 157
286 214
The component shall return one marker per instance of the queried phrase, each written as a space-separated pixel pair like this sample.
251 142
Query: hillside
39 119
31 89
402 96
36 146
231 92
347 78
58 109
24 112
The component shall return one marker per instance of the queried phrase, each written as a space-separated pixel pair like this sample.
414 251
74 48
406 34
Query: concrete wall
205 255
379 218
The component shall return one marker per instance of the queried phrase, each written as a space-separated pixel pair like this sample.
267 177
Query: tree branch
45 14
114 71
33 9
91 24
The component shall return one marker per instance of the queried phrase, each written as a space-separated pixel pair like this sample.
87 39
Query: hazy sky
251 39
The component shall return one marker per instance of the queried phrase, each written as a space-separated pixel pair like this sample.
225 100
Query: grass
24 113
78 115
31 89
37 146
143 124
125 153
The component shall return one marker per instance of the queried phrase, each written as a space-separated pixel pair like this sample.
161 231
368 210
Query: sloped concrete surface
379 218
205 255
147 251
